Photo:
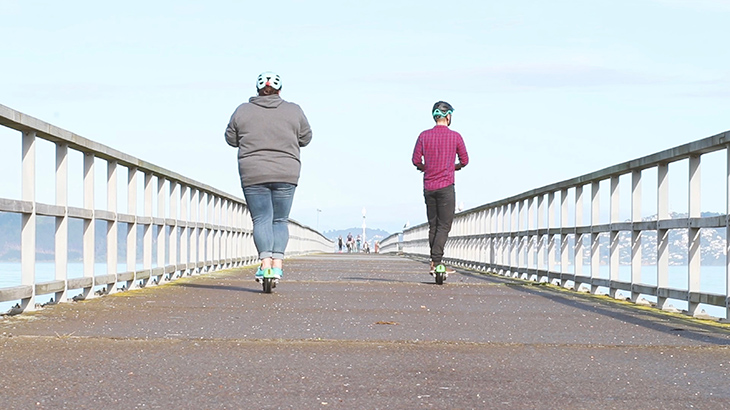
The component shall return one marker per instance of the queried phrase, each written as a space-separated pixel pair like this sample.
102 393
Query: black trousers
440 208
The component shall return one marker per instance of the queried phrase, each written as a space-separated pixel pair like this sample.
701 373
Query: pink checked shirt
437 149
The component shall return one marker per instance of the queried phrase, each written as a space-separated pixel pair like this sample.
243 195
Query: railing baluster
28 229
61 239
111 225
595 236
172 236
514 244
132 188
727 232
148 227
578 238
614 261
693 233
565 231
89 235
196 240
662 234
635 231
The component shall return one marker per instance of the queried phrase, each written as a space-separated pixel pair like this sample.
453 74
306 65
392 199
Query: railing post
89 224
532 238
205 232
550 234
174 197
61 237
564 232
28 229
132 226
662 235
210 254
490 239
161 228
148 227
578 239
184 229
635 231
111 226
515 242
694 262
615 255
727 234
194 221
595 236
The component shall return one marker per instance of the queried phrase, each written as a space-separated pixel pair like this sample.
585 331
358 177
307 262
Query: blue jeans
269 205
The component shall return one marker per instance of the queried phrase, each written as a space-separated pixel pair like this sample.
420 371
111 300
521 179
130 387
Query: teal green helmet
441 109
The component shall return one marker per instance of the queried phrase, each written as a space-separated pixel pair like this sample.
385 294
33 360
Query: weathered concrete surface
359 331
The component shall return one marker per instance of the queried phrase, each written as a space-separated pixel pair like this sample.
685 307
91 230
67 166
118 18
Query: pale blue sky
543 91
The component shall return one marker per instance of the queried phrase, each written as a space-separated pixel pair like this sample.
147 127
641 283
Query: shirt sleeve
417 158
232 133
461 151
305 131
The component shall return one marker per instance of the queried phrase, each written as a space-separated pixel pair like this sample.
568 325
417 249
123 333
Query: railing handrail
199 228
678 153
523 235
24 123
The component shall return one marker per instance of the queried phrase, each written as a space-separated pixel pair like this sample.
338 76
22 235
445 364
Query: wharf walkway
346 331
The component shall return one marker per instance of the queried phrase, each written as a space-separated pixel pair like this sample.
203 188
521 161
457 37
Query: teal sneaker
259 274
277 273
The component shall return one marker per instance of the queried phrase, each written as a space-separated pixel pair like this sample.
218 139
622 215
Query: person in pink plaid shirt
435 155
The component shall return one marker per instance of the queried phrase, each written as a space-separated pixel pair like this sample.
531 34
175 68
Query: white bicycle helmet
268 78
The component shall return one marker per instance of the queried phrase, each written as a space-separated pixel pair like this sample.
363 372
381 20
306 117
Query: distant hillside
371 234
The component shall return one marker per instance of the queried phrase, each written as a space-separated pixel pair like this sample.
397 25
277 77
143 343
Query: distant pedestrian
268 133
339 243
435 155
358 243
376 247
350 242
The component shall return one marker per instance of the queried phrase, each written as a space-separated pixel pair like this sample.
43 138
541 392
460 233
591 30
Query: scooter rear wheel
268 284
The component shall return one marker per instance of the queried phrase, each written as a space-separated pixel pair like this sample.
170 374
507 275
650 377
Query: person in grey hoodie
268 133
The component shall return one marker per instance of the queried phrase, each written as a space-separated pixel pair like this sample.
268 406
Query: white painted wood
28 227
184 230
694 233
595 238
89 234
112 247
61 234
132 189
662 234
727 233
194 256
229 221
564 232
173 234
578 245
148 225
635 233
614 255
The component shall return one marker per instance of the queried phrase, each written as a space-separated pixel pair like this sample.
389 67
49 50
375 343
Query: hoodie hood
266 101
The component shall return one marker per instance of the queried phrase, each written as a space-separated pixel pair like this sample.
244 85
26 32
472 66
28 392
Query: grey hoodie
268 132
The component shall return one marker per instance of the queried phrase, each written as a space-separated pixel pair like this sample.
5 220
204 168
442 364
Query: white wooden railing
197 228
539 234
391 244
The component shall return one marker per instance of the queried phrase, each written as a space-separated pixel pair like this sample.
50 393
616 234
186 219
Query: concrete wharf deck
348 331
